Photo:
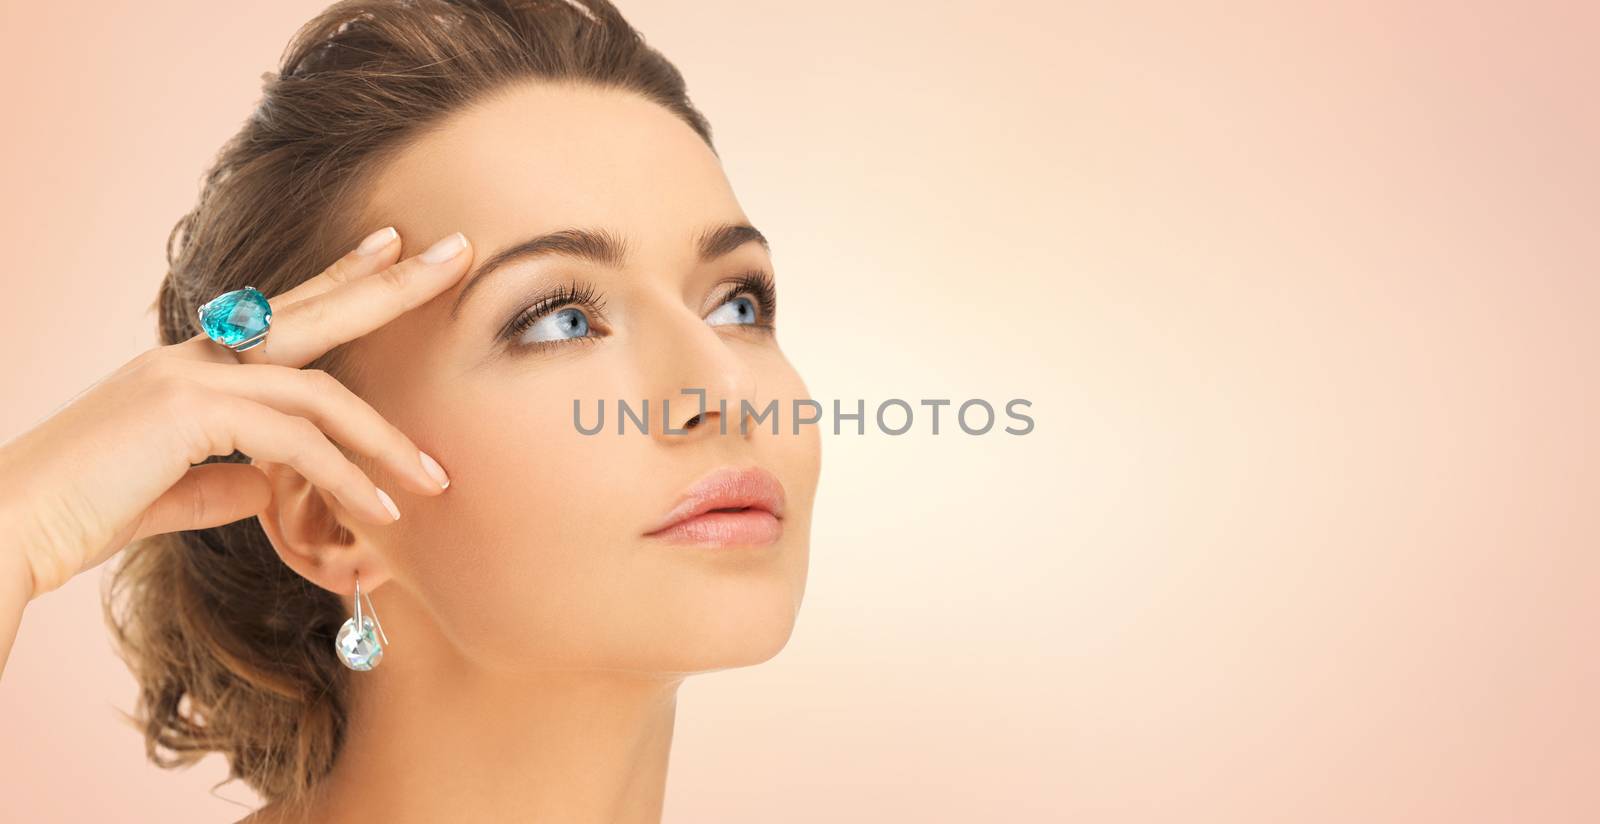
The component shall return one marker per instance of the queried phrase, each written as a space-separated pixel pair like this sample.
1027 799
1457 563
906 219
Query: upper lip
726 488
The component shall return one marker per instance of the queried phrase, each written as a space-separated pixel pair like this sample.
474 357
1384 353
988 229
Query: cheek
798 456
534 558
529 538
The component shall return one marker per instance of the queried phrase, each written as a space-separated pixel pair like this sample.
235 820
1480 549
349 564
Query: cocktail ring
237 319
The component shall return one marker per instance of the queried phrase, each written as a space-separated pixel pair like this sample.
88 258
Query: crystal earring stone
358 649
237 319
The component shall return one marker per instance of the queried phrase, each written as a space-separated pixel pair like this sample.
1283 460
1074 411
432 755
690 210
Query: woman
476 225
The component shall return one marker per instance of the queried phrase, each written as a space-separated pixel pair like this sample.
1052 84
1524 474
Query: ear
316 536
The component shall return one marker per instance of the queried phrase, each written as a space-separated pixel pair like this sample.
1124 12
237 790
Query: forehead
537 157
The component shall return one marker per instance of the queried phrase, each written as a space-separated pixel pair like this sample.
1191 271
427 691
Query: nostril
692 422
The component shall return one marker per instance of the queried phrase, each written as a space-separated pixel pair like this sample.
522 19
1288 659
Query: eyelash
571 294
756 283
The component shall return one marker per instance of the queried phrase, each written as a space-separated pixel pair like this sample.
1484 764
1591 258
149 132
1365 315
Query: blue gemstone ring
237 319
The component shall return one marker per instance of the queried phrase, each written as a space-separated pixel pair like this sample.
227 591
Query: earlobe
311 533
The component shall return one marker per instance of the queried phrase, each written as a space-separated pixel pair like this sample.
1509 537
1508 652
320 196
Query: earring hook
371 608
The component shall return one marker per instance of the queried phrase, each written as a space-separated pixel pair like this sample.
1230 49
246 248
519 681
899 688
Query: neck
451 744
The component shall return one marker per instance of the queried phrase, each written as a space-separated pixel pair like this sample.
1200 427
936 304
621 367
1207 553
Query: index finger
375 253
305 329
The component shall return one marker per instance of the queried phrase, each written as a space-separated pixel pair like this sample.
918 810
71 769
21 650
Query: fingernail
377 240
388 503
447 248
435 470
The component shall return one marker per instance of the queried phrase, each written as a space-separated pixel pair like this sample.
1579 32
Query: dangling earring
356 646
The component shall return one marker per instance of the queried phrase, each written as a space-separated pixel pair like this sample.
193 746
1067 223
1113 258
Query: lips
731 506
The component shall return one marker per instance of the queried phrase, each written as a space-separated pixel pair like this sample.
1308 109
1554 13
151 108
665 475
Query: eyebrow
603 247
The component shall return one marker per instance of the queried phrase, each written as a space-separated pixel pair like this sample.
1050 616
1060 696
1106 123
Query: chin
742 646
749 624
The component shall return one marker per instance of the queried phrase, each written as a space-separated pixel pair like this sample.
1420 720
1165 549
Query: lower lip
749 527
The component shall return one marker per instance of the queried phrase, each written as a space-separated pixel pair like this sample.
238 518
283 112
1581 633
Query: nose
704 386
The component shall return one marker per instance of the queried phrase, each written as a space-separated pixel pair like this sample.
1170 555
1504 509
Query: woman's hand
115 463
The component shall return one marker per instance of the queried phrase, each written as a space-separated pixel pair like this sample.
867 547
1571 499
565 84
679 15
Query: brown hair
233 651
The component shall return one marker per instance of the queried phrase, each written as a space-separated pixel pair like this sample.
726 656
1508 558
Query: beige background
1305 301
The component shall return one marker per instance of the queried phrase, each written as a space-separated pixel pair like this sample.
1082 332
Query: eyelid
759 284
556 344
569 294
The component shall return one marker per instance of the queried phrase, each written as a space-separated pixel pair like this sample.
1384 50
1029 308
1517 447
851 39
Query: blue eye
567 323
569 312
753 301
740 310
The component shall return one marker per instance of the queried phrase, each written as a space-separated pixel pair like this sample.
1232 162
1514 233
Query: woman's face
537 555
